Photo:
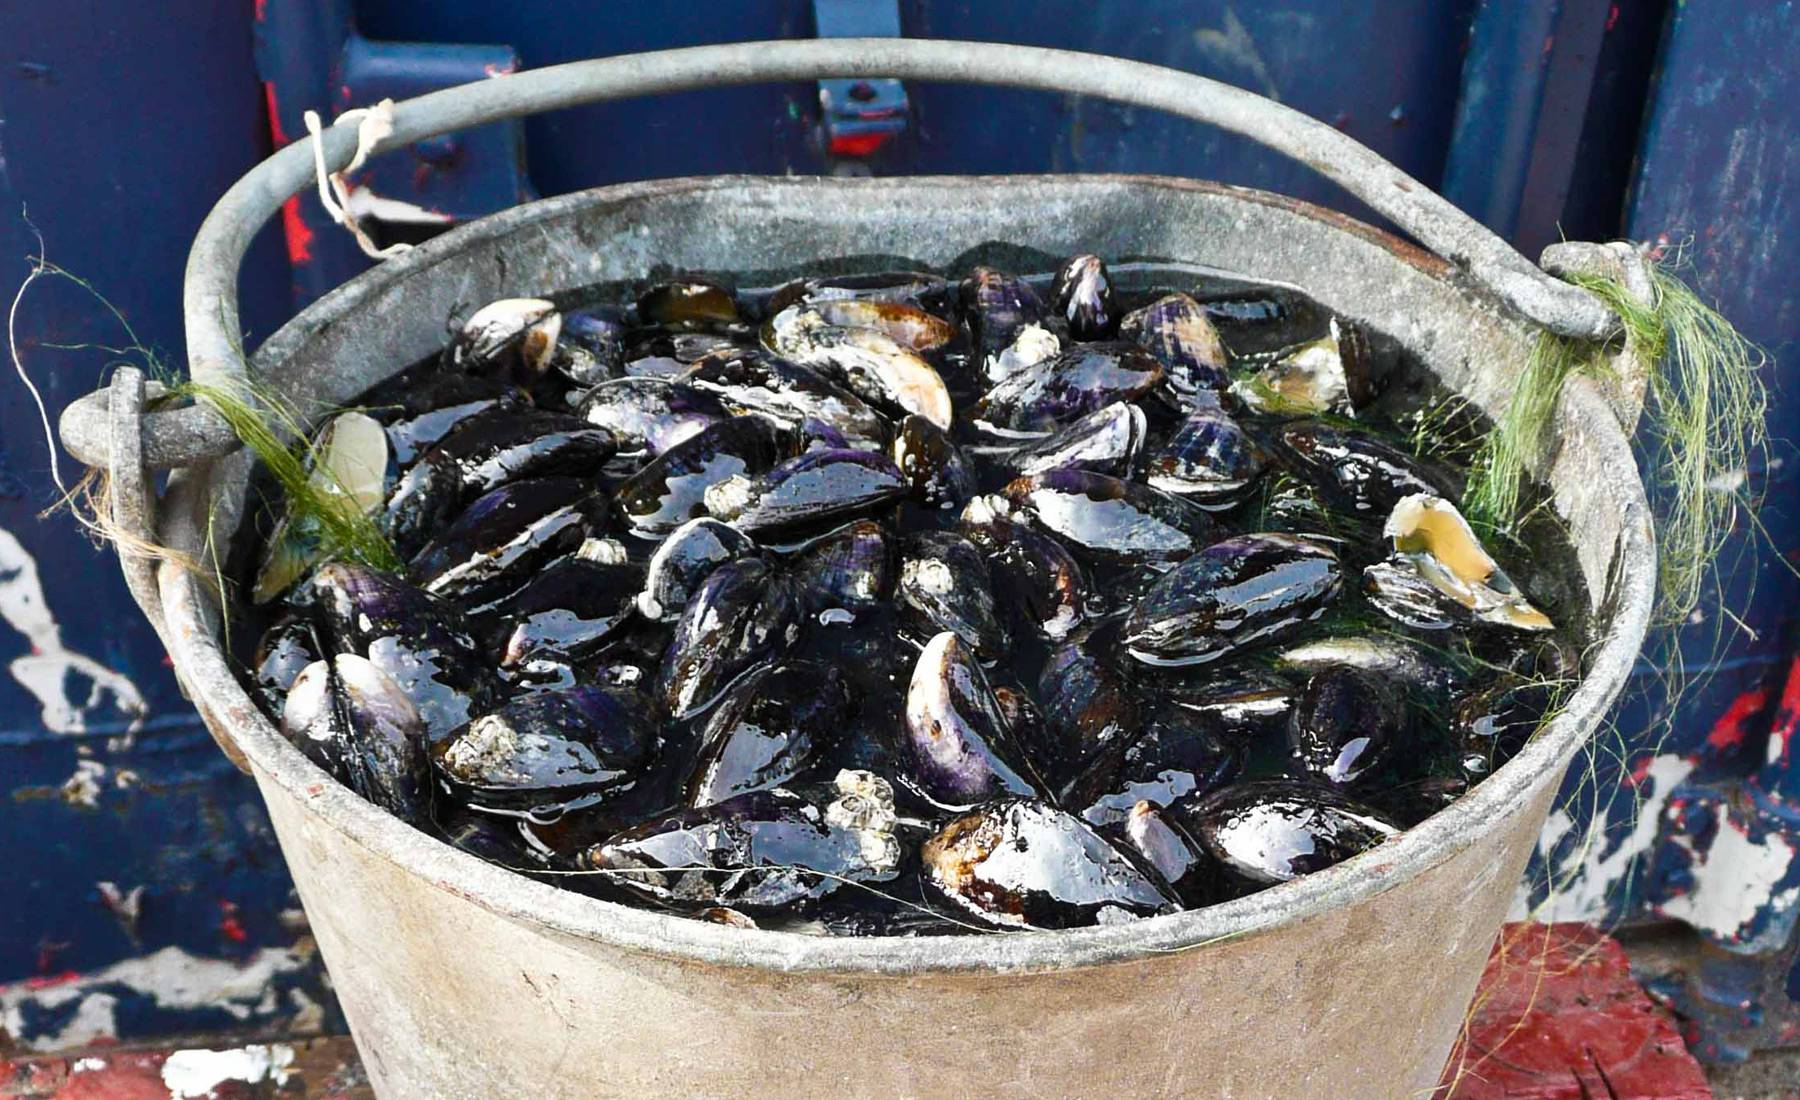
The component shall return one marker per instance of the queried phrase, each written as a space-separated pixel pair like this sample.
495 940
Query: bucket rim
194 646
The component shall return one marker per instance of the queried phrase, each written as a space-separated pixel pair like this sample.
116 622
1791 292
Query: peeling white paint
1582 878
50 671
1733 881
194 1074
87 1065
171 978
1233 44
83 787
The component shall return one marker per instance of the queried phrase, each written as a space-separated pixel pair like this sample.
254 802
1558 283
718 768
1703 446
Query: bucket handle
179 437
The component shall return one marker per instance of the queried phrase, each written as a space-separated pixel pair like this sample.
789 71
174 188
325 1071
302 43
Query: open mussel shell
875 366
758 851
944 581
1035 401
1361 473
957 743
1105 441
1176 330
354 721
814 488
689 301
997 307
571 609
1230 595
751 381
682 561
671 490
1210 459
420 641
1346 723
516 336
1118 521
1034 573
348 468
1431 537
650 415
1273 830
1176 756
744 614
1024 864
499 542
769 728
542 752
936 472
1083 296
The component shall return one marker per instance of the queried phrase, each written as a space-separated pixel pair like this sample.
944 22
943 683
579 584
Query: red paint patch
294 228
229 925
1786 722
857 145
277 134
262 10
45 981
1732 727
1612 17
1559 1018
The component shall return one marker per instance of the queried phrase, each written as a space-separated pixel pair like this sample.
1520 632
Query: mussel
744 614
1033 402
650 414
1023 864
1346 723
544 752
572 608
1233 593
1105 441
499 542
1083 296
769 728
671 490
1118 521
1361 472
1176 330
1177 757
1035 574
353 720
1210 459
682 561
851 569
1431 538
957 742
816 487
347 470
687 301
936 472
515 336
875 366
998 306
1273 830
944 581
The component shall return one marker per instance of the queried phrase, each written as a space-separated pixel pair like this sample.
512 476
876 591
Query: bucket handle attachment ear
178 437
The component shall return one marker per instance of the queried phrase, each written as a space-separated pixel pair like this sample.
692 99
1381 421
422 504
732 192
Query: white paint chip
195 1074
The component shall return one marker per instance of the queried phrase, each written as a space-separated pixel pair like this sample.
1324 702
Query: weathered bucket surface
463 980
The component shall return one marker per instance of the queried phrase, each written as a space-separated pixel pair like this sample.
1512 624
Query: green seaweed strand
1703 425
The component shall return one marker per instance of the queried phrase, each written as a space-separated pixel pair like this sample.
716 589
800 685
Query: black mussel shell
1234 593
743 615
1493 723
418 412
1034 574
542 752
1210 459
287 647
354 721
671 490
816 487
995 307
1089 709
1179 756
1036 400
570 610
956 742
944 581
683 560
1177 330
770 727
687 301
1346 722
499 542
422 642
1083 296
591 349
1023 864
1163 843
936 472
650 414
491 450
1117 521
1273 830
1398 590
851 569
1364 474
1105 441
1245 705
760 850
751 381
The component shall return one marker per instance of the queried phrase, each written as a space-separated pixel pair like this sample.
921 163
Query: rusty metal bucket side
1476 349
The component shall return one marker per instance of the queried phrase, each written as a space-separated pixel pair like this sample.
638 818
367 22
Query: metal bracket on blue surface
859 117
311 58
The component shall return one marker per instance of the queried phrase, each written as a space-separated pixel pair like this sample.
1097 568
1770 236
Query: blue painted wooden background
145 896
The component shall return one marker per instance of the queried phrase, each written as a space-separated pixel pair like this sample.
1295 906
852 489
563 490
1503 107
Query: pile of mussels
887 604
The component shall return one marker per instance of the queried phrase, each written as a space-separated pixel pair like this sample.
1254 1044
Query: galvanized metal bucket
463 980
